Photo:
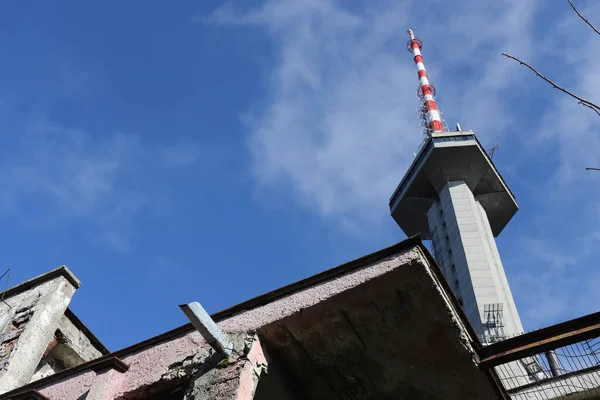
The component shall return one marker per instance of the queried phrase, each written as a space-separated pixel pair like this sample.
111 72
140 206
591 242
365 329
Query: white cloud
180 155
340 127
58 176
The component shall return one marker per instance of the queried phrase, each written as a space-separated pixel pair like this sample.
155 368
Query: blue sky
214 151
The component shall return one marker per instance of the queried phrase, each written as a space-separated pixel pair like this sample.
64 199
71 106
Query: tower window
453 268
456 284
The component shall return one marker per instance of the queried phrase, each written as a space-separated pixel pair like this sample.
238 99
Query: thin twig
583 18
590 107
582 101
7 274
592 169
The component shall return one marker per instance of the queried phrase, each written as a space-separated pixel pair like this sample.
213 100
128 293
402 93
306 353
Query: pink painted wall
71 388
145 368
151 364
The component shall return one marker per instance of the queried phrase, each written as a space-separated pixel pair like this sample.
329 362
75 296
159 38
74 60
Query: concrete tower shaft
466 251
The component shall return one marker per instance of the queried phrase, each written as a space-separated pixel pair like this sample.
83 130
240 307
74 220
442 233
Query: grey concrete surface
31 314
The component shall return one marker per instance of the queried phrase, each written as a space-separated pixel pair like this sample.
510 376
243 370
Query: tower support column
464 246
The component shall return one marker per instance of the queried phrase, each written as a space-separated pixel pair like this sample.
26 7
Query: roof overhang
383 325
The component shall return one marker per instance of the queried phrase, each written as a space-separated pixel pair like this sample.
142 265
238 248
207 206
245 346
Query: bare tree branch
588 106
583 18
581 100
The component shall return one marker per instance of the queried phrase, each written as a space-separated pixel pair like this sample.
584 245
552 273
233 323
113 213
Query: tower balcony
447 157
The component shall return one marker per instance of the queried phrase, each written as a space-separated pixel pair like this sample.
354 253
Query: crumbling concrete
235 377
72 345
31 316
71 336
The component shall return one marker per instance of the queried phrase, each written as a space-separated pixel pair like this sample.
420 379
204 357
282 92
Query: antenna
426 91
492 151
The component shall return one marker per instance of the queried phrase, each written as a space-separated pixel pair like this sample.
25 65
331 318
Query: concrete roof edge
38 280
441 280
86 331
490 373
412 242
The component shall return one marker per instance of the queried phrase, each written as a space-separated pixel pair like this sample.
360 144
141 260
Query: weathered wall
235 378
29 320
168 364
165 362
176 358
72 387
77 340
70 347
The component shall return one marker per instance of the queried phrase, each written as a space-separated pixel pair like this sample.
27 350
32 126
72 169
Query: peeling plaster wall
234 378
164 362
71 388
44 369
30 319
77 340
15 313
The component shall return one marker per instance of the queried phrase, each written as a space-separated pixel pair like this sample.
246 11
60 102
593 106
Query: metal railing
558 362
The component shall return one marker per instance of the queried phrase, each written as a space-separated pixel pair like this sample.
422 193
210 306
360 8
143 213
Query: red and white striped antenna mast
426 91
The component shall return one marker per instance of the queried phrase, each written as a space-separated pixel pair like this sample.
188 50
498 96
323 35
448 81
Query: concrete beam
207 328
35 316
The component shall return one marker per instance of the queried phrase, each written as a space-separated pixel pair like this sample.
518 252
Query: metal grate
494 323
457 138
569 372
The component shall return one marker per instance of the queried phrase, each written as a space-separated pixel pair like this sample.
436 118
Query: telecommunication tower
453 195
